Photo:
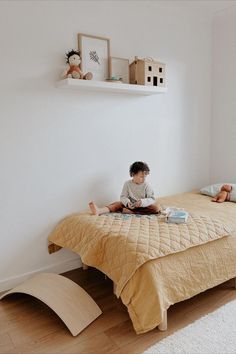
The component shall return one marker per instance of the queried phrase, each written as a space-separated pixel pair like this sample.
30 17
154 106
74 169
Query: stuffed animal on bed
220 192
224 194
73 69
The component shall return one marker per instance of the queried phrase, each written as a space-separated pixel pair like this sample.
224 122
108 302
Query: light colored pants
118 207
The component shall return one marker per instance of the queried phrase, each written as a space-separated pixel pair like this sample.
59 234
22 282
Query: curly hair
70 53
138 166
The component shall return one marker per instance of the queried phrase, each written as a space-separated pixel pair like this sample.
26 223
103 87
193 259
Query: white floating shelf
90 85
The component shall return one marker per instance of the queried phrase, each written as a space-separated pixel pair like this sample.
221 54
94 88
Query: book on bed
177 216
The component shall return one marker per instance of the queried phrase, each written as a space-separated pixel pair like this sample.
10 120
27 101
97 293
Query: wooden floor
29 326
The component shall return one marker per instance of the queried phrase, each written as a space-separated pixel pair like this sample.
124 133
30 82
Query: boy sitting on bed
137 197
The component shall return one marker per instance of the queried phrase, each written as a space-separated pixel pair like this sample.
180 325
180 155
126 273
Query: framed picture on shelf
119 69
95 53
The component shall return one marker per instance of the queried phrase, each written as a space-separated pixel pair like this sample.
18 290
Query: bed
154 264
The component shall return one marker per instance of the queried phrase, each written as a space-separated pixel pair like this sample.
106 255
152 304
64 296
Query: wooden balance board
67 299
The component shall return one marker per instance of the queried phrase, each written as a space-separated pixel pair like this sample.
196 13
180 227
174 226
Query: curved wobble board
67 299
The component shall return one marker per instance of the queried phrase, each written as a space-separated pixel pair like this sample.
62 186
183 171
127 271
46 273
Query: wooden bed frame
196 203
163 325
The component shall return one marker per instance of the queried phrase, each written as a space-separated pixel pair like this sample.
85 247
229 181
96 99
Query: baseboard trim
57 268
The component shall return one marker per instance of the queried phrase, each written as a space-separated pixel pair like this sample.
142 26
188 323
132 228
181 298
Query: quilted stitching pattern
119 244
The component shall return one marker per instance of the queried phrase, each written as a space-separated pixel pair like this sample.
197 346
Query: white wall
223 145
60 149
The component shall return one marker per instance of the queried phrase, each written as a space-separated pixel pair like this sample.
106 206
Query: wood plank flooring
29 326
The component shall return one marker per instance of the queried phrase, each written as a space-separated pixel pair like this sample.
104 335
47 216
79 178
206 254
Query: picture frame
95 53
119 69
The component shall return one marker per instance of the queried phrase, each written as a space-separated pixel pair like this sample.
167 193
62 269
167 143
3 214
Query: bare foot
127 211
94 209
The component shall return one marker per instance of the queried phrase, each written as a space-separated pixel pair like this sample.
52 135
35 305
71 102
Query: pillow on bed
214 189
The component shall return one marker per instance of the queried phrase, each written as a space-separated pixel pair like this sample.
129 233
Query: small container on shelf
115 79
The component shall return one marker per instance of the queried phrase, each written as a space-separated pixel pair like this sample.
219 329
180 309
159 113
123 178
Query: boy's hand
130 205
138 204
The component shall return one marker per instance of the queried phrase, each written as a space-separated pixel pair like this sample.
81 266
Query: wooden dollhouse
147 72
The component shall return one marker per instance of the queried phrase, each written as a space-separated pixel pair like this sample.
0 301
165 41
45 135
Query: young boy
137 197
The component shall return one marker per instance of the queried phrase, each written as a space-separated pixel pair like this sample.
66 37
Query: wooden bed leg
163 325
52 247
85 267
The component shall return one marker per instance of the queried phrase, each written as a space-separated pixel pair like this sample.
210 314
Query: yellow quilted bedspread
118 244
